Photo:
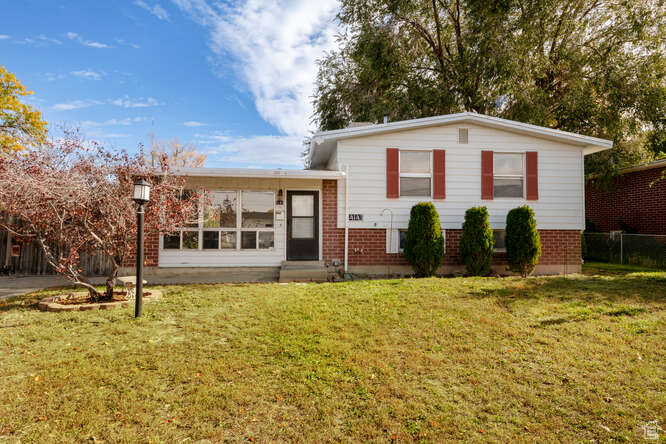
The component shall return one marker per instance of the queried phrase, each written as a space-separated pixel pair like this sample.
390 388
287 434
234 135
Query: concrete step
303 271
302 265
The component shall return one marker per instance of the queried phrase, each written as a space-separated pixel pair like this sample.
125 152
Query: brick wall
367 246
151 246
630 199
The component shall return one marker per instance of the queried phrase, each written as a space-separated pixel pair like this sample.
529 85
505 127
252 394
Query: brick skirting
367 246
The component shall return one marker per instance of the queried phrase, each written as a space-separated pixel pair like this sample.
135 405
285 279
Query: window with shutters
509 175
415 173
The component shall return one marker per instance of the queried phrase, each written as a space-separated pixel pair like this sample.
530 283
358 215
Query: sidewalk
18 285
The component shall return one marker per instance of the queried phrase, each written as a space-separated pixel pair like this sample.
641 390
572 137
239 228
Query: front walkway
18 285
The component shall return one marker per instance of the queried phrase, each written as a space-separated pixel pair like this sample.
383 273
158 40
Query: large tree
20 124
176 154
590 66
73 196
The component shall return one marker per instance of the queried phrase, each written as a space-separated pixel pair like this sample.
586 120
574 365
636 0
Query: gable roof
323 143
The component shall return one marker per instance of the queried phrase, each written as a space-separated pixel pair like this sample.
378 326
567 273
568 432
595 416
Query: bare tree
74 196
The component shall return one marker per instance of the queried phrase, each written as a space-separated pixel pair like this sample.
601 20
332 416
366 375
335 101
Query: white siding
560 173
241 258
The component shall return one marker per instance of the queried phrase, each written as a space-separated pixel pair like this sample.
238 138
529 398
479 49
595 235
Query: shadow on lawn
645 287
24 302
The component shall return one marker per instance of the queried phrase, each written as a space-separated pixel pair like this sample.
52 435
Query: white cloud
78 38
52 76
275 46
222 149
75 104
140 102
157 10
88 74
124 102
193 123
39 41
111 122
4 36
125 42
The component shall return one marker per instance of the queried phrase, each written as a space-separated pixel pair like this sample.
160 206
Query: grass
476 359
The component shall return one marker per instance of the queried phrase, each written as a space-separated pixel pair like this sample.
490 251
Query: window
415 173
499 236
172 241
508 175
402 237
190 240
231 220
221 213
401 240
258 212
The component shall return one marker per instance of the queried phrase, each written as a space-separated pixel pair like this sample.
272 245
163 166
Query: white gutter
258 173
346 217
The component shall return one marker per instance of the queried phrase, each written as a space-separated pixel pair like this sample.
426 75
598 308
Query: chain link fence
646 250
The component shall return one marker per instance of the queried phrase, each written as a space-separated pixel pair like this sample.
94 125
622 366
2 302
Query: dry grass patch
480 359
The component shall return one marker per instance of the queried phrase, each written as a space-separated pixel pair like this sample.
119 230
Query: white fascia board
259 173
590 144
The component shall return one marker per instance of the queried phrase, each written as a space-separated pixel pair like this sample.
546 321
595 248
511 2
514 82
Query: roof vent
463 135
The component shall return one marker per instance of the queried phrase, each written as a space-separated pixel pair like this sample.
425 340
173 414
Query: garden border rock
51 303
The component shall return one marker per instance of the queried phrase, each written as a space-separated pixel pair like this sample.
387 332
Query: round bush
424 245
476 243
523 243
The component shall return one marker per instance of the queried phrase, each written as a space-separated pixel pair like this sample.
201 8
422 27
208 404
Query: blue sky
235 78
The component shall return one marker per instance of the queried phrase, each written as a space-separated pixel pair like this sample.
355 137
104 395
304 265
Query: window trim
401 230
511 176
238 229
404 230
428 175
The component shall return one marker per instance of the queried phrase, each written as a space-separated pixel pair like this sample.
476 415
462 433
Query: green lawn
477 359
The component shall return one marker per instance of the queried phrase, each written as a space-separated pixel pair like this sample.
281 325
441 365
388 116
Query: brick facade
630 200
367 246
151 249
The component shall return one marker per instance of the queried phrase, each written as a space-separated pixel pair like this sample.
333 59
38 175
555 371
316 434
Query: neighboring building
364 180
634 202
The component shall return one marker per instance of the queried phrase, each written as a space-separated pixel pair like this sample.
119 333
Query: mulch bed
78 298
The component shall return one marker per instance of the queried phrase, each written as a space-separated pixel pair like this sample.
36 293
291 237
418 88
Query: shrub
583 245
424 245
523 244
476 243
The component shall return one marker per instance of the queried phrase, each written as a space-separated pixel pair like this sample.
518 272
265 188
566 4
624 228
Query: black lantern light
141 196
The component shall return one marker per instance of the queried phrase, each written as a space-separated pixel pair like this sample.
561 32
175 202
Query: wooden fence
30 259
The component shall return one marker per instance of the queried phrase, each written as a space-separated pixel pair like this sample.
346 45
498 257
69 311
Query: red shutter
487 175
392 173
439 174
532 173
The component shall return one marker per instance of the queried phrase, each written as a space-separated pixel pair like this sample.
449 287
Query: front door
302 225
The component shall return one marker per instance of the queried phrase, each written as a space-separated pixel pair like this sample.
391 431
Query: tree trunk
110 280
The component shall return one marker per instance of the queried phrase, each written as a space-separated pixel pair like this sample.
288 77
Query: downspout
346 218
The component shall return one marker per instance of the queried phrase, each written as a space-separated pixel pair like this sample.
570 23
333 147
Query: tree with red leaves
73 196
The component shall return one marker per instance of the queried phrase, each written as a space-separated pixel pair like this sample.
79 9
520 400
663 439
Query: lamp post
141 196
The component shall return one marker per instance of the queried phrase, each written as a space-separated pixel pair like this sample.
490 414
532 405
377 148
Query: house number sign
355 217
